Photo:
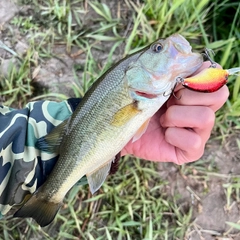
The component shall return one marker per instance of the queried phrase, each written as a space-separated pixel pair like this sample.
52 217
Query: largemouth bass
116 109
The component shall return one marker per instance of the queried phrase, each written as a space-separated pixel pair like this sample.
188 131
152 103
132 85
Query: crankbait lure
208 80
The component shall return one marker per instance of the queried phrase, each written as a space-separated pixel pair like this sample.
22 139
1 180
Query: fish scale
116 109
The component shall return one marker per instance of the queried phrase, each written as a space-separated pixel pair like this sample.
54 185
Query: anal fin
97 178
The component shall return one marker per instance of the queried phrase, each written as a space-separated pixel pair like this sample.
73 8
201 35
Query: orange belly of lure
208 80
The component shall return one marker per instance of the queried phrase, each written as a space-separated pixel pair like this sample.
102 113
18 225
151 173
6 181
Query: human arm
23 168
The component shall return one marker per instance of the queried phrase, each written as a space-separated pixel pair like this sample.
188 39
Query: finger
199 118
206 64
189 145
214 100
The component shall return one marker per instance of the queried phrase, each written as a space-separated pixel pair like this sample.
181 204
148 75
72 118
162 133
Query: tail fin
38 208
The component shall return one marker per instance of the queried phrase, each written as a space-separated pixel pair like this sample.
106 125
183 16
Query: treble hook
213 64
166 95
172 92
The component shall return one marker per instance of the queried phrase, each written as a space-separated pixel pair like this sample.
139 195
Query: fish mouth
156 90
146 95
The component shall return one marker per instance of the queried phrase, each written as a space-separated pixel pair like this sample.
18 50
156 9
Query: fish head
155 70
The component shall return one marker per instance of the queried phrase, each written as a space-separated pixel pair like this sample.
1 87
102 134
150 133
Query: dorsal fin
52 141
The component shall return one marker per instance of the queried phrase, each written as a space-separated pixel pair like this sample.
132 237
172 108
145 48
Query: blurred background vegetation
136 206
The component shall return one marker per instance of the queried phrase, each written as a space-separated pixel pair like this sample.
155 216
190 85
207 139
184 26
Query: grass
136 206
131 209
18 86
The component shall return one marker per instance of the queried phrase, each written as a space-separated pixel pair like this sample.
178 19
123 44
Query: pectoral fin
126 113
141 131
97 178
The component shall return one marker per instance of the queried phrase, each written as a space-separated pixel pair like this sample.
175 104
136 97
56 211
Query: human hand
179 131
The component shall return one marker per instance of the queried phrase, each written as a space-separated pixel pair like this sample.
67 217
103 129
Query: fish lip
178 44
198 63
196 67
154 93
145 94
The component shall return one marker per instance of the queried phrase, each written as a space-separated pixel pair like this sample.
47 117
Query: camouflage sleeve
23 168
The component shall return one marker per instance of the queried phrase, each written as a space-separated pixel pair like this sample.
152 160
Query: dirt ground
206 193
211 209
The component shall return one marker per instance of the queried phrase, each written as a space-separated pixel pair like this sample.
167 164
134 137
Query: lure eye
157 47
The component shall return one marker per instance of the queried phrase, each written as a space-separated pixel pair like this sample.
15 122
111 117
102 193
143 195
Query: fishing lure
209 79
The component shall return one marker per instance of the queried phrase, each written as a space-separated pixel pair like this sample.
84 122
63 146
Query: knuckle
206 118
196 145
221 95
197 151
170 113
194 152
224 93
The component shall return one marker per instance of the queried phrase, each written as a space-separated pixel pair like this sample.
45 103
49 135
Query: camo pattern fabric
23 168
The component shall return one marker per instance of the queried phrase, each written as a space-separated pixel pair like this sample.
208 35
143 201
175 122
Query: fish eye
157 47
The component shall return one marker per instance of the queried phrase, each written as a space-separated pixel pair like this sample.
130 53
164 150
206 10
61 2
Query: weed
18 85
